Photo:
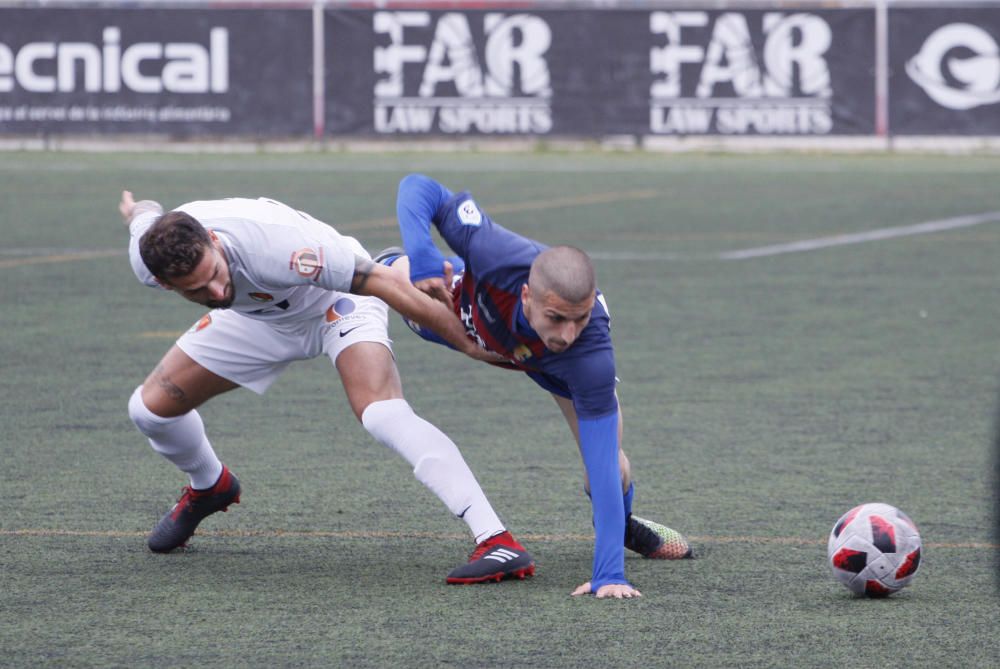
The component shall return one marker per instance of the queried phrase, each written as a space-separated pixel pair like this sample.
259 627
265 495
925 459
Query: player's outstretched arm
599 448
129 208
396 290
418 199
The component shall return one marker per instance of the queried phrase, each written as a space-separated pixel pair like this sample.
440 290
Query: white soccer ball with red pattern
874 549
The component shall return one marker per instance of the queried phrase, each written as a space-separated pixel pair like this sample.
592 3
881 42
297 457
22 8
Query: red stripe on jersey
469 292
506 303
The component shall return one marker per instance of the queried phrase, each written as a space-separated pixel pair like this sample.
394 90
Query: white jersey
283 263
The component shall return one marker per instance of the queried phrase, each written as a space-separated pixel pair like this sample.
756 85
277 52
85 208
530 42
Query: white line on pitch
654 257
388 534
861 237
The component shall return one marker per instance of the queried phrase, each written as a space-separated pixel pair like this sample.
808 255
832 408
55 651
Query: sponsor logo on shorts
341 316
339 309
261 297
203 323
347 331
307 262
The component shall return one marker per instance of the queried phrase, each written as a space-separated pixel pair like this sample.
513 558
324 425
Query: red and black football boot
654 541
495 559
177 526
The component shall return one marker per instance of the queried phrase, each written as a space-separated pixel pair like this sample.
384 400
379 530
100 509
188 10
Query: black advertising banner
784 71
585 72
178 72
419 72
944 71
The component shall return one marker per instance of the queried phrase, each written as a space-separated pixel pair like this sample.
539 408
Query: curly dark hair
174 245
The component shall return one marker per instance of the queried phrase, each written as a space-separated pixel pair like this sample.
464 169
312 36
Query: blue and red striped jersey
497 262
496 265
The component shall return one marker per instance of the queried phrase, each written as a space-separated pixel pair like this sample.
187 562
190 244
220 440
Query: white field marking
862 237
26 257
24 251
349 534
61 257
514 207
571 166
500 162
641 257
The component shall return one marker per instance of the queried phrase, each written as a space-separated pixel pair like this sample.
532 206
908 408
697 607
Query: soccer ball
874 550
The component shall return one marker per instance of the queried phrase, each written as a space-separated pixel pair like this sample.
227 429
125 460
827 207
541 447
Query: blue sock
628 499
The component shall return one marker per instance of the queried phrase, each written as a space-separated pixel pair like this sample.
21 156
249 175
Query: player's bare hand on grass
438 287
612 590
129 208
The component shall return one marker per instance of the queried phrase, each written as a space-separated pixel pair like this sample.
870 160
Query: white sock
436 463
181 440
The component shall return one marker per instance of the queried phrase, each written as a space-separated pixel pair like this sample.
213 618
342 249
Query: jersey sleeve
593 390
278 246
286 256
599 448
137 228
588 370
482 244
417 203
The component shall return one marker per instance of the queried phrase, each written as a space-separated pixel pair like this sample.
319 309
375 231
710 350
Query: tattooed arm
395 290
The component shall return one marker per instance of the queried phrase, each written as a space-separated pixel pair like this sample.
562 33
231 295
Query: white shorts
254 353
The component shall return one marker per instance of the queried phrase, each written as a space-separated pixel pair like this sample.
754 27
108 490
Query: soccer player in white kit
284 286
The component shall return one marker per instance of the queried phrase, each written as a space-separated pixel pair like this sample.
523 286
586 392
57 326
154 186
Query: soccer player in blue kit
539 308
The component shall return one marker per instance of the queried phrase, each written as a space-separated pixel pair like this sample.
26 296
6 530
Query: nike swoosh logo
344 333
462 515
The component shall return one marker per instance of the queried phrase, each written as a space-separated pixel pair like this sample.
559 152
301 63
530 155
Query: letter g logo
956 81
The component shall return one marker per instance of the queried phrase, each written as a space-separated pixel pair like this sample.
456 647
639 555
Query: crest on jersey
522 353
202 323
261 297
469 213
307 262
